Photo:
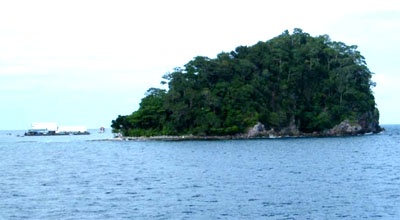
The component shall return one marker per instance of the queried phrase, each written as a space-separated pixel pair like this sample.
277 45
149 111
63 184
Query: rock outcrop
259 130
369 122
344 128
256 131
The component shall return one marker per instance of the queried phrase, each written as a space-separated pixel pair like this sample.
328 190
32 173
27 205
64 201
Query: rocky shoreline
345 128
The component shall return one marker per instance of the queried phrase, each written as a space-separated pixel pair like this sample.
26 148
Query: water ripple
328 178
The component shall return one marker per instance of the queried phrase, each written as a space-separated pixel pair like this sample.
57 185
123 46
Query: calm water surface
74 177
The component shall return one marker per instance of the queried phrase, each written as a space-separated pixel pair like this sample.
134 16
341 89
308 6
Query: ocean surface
85 177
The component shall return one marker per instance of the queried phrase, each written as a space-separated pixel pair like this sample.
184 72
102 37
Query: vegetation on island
294 80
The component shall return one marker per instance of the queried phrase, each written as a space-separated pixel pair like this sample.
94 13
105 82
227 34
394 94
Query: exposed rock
291 130
366 124
369 123
257 130
345 128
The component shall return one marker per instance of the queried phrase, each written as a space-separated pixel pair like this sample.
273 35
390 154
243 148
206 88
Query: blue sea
87 177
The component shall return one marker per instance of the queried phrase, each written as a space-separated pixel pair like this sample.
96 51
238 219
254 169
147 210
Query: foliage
311 81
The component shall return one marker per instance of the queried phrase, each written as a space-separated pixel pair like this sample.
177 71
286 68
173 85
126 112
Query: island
291 85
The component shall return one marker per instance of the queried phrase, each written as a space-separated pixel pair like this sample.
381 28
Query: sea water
84 177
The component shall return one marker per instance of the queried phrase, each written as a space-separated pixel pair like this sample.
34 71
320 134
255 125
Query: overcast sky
84 62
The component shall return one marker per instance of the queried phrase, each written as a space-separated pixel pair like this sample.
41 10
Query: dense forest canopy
295 79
